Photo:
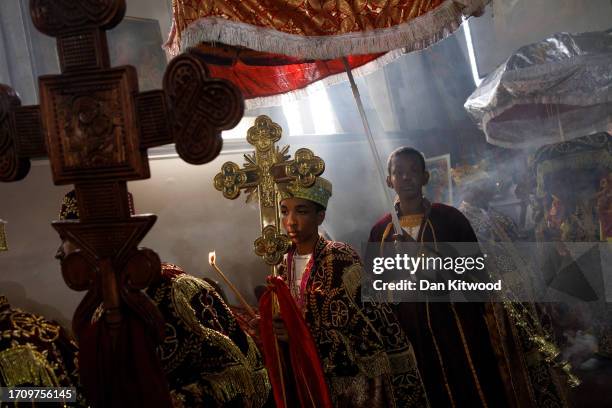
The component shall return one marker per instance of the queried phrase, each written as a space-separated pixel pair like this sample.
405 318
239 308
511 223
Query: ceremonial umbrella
551 91
271 47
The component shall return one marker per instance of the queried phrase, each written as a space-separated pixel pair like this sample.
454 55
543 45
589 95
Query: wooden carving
15 152
96 127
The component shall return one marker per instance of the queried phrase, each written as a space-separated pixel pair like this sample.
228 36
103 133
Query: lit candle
211 261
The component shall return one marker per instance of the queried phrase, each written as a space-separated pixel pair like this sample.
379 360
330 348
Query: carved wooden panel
12 166
152 111
90 125
201 108
58 17
27 120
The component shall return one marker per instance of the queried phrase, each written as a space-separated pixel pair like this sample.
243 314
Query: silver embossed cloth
550 91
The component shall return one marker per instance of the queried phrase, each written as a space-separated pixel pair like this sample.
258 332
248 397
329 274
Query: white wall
510 24
26 54
29 276
160 10
17 68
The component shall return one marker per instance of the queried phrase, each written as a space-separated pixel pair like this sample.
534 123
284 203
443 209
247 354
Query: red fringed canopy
270 47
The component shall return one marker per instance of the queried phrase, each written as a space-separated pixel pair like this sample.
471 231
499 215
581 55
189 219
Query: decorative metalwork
230 180
265 174
271 245
305 166
264 134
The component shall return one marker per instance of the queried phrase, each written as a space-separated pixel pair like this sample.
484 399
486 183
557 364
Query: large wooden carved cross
95 127
264 172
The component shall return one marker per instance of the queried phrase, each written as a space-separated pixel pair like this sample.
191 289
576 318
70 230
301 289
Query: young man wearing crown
206 357
367 360
451 341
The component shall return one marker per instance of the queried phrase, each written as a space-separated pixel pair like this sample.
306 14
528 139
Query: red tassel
306 370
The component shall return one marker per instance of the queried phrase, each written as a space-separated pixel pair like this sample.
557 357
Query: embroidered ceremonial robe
36 352
208 360
366 357
529 380
452 343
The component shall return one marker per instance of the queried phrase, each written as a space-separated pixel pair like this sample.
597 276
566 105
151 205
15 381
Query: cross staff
95 127
266 173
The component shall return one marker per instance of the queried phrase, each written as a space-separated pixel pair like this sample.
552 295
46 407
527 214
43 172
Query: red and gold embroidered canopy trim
271 47
321 29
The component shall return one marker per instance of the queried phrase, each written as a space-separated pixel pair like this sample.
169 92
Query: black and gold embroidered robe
36 352
208 360
366 358
530 381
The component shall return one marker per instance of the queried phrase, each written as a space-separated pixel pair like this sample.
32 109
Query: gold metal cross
267 173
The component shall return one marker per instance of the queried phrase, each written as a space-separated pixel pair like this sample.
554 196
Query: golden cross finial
264 174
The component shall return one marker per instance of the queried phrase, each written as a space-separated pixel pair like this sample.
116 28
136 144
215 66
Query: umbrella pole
275 311
373 148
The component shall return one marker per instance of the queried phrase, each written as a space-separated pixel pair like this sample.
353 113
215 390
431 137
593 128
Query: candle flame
211 257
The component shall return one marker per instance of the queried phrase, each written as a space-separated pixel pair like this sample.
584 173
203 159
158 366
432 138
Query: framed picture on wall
138 42
439 189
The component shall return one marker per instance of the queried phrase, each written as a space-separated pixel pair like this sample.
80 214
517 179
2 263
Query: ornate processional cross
95 127
267 173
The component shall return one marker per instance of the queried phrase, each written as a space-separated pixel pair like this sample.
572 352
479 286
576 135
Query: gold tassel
261 381
24 365
402 362
543 344
231 383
